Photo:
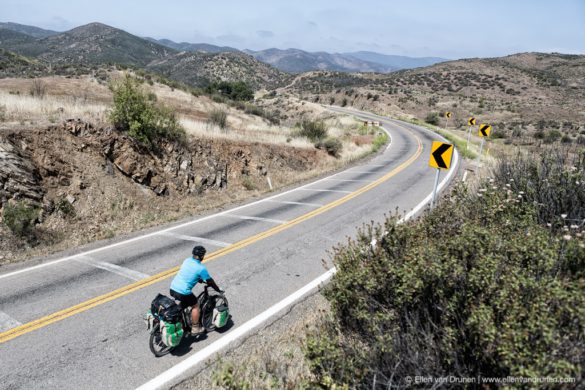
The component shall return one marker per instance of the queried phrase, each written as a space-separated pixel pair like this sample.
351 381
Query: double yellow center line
84 306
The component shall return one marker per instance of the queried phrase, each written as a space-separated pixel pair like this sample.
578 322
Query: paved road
76 323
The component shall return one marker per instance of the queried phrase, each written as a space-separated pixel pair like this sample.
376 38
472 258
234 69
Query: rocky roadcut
89 182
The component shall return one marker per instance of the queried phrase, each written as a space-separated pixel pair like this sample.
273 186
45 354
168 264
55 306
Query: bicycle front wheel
157 347
211 303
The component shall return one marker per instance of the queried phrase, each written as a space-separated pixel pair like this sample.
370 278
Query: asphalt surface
104 344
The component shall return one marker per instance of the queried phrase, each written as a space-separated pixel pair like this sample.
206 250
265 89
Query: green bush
432 118
477 287
332 146
238 90
135 114
20 218
218 117
313 130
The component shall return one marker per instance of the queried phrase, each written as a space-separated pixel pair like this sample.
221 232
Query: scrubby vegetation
490 284
218 117
20 218
238 90
432 118
313 130
333 146
135 113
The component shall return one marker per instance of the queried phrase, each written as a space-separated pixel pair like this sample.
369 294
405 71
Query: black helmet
199 251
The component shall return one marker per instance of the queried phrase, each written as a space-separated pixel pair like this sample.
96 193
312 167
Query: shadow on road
186 344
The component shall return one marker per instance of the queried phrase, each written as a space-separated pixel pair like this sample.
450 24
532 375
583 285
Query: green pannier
172 333
221 315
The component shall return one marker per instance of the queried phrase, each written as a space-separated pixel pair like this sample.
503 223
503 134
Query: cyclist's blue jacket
191 272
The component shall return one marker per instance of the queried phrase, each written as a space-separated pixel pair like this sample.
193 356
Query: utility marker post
440 158
470 123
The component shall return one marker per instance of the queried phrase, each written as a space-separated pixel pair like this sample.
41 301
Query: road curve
76 322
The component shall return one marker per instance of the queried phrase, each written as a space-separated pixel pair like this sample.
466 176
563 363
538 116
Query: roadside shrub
553 180
20 218
380 140
248 184
344 102
134 113
332 146
2 113
313 130
476 288
432 118
218 117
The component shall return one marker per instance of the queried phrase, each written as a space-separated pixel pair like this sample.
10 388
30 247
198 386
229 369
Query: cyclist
192 272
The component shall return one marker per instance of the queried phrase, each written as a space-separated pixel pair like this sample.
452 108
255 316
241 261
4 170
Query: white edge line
181 368
158 232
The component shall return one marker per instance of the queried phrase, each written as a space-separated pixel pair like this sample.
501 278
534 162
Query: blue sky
449 28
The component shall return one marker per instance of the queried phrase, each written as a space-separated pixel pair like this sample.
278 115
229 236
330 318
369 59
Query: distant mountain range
195 63
299 61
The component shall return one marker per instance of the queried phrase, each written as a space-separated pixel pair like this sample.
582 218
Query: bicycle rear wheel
157 347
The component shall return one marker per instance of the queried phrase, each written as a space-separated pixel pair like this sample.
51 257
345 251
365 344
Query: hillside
199 68
522 93
186 46
19 42
32 31
98 43
299 61
395 62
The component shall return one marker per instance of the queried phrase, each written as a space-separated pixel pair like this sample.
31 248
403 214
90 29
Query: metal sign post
435 188
440 158
484 132
470 123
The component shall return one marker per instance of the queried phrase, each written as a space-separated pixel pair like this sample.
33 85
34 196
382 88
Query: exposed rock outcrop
19 177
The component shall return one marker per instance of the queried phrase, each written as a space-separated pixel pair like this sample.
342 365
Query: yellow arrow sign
471 121
447 114
441 155
484 130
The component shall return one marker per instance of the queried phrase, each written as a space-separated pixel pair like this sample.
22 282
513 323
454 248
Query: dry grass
267 134
21 108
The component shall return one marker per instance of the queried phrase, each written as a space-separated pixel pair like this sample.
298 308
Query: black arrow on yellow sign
444 150
485 130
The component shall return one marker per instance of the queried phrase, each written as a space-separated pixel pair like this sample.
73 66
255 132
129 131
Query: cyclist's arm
209 280
212 284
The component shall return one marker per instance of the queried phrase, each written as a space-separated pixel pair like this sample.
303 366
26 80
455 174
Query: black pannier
165 308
